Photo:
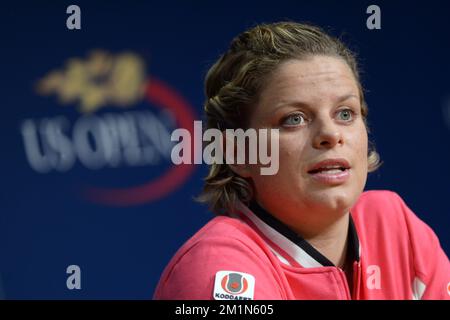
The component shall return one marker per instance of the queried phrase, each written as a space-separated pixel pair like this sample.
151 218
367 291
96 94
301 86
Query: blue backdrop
86 175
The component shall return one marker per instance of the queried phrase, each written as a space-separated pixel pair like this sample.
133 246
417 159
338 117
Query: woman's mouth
330 175
330 171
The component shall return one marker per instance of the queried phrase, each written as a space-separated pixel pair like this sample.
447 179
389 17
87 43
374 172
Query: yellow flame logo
103 79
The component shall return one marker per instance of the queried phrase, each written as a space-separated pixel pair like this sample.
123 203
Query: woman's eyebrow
306 105
347 96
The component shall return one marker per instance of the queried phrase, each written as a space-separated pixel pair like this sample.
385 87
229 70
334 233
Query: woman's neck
326 231
332 241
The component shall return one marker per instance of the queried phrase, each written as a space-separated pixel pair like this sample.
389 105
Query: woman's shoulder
379 195
222 236
381 202
381 213
222 228
224 244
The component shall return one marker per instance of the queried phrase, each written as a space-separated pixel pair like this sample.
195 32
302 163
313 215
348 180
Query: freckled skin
292 195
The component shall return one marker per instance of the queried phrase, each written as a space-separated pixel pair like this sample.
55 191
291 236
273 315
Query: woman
309 231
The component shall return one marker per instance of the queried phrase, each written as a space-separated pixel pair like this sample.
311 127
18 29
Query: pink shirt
251 255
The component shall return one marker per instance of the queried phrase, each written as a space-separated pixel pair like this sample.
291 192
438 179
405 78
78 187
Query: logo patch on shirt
233 285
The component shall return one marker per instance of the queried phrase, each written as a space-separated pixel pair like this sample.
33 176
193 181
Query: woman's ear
242 170
231 155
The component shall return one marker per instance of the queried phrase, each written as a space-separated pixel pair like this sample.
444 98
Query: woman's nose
327 134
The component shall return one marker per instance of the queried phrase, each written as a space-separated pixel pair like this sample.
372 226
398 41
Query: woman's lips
331 176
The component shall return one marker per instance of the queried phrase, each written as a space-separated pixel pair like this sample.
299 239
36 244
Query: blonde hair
233 85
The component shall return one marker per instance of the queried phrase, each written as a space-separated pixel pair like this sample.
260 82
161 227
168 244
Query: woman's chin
332 200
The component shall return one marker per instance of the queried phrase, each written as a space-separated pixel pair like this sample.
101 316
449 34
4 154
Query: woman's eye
345 115
294 120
